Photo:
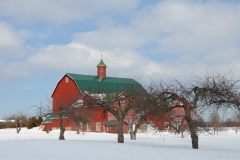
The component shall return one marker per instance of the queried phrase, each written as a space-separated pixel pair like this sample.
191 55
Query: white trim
88 127
166 125
80 128
177 124
98 126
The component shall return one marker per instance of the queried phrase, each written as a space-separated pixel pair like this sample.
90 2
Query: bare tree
80 115
215 121
65 110
19 119
137 116
211 92
138 120
119 108
119 104
43 108
62 129
236 121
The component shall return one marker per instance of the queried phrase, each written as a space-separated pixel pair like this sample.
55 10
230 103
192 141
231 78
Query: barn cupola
101 69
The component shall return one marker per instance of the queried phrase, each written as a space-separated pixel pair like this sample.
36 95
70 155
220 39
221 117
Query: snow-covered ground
33 145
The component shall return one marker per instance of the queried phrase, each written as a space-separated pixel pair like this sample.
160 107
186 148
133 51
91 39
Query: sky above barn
41 40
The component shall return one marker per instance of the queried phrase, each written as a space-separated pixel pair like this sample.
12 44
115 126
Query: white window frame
98 126
88 127
80 126
177 124
67 79
80 102
166 125
122 99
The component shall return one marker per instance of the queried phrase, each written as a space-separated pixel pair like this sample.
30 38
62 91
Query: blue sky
41 40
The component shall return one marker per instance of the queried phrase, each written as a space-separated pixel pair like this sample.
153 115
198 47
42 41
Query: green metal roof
111 123
50 117
47 120
95 84
101 63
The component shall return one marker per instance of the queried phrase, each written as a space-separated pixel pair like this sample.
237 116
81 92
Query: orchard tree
119 108
211 92
137 116
65 106
215 121
80 114
43 109
118 103
19 119
236 121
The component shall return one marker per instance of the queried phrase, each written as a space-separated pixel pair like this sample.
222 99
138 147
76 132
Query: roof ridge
98 76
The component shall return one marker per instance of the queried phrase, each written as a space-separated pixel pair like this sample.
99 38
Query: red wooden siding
101 71
65 93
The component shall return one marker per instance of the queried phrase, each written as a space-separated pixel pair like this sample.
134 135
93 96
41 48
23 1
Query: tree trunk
133 137
192 126
131 131
194 137
120 132
18 127
62 130
134 133
61 136
78 129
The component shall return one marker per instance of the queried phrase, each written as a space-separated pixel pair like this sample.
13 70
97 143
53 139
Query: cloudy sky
41 40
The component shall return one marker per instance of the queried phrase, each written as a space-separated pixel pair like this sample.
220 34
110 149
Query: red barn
74 88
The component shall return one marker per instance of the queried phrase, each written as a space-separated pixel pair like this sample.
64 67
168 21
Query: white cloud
200 35
79 58
62 11
12 69
11 41
197 27
178 27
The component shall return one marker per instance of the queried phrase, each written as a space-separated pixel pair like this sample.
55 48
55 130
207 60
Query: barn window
80 126
67 79
88 127
177 124
166 125
79 103
98 126
122 99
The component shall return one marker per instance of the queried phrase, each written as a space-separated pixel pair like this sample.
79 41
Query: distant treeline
26 122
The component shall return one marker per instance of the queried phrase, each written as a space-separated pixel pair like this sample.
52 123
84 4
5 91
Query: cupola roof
101 63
